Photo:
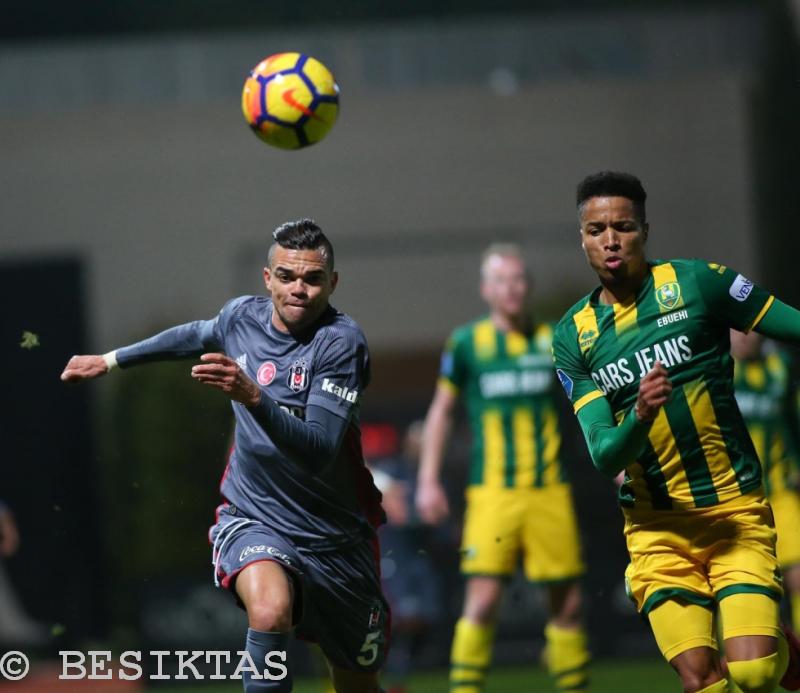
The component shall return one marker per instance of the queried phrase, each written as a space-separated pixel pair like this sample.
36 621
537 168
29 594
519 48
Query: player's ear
334 281
645 232
267 277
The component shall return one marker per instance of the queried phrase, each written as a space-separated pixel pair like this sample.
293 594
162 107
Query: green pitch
618 676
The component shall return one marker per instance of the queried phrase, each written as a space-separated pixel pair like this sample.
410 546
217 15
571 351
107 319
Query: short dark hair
613 184
302 234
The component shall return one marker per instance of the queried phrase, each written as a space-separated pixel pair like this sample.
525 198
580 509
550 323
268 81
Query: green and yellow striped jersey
507 383
698 453
767 399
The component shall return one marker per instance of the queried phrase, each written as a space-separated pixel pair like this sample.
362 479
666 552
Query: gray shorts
338 599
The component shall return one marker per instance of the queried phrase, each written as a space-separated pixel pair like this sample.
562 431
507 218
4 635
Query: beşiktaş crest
298 376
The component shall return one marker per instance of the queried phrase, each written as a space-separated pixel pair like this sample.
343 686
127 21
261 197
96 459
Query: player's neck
511 323
623 289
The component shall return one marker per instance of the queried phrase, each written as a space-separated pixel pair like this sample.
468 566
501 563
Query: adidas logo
241 361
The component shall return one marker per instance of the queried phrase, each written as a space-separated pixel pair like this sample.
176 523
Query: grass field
637 676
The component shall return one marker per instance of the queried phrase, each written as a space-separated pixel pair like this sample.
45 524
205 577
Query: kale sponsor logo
741 288
345 393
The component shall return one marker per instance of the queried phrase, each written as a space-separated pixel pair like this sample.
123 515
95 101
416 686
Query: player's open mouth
613 263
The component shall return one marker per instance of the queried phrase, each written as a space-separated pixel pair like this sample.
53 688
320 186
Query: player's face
613 238
301 283
504 285
745 346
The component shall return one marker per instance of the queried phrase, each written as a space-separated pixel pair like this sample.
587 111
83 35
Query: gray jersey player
295 536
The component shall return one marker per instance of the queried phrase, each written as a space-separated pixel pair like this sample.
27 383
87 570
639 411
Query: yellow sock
718 687
470 656
794 603
760 675
567 657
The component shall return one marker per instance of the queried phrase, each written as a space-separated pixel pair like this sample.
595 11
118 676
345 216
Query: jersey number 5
369 650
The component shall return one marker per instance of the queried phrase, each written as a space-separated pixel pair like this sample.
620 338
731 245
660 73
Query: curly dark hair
613 184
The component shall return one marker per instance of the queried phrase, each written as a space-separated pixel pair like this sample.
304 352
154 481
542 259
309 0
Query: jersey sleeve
342 373
571 369
453 364
731 297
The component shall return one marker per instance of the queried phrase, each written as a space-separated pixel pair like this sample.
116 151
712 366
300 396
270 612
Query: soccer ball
290 100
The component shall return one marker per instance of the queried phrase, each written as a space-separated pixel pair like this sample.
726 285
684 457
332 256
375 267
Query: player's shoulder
338 326
466 331
238 306
566 326
692 265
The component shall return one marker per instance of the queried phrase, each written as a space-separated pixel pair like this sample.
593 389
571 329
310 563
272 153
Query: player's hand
654 391
431 501
222 372
84 368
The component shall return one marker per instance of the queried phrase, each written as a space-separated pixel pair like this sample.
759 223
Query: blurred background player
16 627
410 579
519 503
645 361
295 537
767 398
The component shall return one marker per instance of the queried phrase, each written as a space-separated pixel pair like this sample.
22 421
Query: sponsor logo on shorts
263 548
741 288
345 393
266 373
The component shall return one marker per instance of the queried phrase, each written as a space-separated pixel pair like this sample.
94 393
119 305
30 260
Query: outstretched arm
613 446
178 342
780 322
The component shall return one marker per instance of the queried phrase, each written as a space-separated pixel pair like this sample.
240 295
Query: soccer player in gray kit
295 537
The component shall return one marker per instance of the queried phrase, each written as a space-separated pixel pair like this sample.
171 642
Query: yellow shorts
702 555
786 508
536 524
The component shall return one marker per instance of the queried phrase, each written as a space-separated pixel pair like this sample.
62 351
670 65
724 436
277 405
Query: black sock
258 645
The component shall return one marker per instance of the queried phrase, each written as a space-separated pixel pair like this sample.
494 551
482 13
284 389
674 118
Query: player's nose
611 239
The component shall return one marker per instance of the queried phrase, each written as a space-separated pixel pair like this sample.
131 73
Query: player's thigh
267 592
345 611
679 626
550 535
665 562
491 541
750 614
786 510
269 565
345 681
742 558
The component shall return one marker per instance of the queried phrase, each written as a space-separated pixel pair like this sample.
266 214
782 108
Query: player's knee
694 681
272 615
757 675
